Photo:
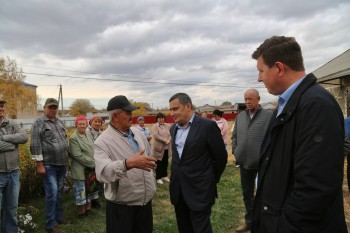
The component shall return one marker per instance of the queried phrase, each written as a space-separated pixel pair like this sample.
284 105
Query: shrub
31 184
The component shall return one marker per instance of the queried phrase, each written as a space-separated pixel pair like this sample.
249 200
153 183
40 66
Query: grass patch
227 213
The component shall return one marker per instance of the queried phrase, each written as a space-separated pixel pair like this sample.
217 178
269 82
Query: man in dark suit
300 174
199 159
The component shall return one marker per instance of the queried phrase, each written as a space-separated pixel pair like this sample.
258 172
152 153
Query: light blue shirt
131 139
181 136
283 99
133 142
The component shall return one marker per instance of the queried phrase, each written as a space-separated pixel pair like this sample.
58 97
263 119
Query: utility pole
60 99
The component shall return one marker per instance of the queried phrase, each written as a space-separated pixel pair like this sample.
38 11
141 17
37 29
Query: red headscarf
93 118
80 118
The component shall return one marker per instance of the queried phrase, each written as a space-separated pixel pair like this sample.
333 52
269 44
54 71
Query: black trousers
248 177
189 221
162 166
129 219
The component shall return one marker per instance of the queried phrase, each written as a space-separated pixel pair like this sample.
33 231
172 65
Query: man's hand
40 169
140 161
167 141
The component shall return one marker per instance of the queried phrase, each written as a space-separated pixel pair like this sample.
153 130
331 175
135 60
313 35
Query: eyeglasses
53 107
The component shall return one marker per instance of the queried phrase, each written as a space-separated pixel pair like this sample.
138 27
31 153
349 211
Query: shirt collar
120 132
48 119
161 125
288 93
189 123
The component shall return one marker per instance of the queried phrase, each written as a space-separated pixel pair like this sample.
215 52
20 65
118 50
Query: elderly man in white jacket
124 162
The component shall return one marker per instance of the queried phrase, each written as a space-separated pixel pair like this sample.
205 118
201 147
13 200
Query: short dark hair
218 112
159 115
183 98
283 49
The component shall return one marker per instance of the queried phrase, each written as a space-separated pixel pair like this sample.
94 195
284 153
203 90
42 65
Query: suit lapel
85 140
267 138
266 157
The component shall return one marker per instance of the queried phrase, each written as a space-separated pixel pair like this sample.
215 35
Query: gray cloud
181 41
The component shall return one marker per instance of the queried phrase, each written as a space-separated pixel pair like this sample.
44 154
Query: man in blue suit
199 159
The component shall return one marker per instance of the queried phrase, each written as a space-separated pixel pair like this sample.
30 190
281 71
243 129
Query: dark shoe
243 228
55 229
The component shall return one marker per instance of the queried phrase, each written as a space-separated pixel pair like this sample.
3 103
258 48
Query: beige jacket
126 187
161 134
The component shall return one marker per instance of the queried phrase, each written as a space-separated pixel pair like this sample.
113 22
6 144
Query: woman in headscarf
143 128
81 153
95 128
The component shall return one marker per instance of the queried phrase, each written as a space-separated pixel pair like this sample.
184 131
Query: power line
136 81
123 76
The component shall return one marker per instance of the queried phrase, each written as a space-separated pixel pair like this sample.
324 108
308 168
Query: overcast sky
151 49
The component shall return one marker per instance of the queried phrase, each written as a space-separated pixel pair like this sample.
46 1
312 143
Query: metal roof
28 84
330 73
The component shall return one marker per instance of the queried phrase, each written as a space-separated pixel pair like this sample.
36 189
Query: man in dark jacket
302 155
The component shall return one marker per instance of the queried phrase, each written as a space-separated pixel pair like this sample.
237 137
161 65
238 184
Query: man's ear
280 66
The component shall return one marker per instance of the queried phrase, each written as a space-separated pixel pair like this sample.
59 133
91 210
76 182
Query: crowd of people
290 160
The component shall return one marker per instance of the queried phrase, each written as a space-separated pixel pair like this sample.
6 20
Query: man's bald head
251 99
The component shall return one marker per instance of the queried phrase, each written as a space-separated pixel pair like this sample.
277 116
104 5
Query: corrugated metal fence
70 121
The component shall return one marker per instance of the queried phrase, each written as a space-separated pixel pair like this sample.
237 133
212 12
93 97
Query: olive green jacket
81 153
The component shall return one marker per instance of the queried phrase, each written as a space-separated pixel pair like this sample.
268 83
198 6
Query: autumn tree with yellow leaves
17 96
141 111
81 107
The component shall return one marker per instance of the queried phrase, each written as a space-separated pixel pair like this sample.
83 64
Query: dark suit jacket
203 160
